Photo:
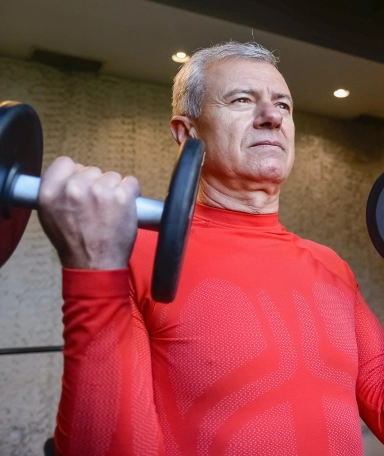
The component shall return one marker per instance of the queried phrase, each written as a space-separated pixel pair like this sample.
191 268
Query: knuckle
133 180
46 195
132 183
64 159
78 167
113 175
97 190
91 171
72 190
58 166
110 179
121 196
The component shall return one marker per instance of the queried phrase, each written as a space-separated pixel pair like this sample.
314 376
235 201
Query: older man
268 348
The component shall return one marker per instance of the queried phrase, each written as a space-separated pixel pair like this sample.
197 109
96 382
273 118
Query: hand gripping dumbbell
21 153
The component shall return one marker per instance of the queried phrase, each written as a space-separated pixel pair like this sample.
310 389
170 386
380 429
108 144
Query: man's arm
106 407
370 381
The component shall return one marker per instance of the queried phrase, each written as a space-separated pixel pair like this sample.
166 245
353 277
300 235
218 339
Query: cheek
291 159
223 136
219 137
289 132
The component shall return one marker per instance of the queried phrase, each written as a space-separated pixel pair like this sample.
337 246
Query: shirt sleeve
106 406
370 380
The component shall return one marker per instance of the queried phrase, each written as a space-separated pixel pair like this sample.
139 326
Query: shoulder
328 258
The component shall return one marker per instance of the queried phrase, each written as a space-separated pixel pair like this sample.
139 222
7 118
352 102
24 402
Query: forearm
98 411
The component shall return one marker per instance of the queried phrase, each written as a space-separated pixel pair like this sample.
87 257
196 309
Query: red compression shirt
268 349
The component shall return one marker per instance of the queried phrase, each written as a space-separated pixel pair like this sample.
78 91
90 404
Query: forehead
233 73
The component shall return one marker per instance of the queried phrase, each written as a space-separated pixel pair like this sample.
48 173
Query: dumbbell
375 214
21 153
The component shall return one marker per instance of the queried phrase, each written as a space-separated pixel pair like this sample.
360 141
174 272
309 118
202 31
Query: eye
284 106
241 100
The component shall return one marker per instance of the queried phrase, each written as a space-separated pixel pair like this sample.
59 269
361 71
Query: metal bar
149 212
26 350
26 191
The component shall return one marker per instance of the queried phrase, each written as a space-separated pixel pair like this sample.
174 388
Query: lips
268 143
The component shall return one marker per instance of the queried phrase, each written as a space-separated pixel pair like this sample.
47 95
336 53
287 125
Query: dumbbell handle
26 190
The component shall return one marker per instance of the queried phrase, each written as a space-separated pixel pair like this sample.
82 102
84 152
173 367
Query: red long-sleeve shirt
268 349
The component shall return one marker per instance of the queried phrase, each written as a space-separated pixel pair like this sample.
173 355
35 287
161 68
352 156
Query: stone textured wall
123 125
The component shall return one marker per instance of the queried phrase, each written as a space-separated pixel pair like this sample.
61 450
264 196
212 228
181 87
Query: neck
260 201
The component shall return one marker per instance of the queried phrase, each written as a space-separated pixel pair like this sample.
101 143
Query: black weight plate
21 151
176 221
375 215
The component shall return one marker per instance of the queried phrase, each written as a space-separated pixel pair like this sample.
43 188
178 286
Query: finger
132 185
88 172
60 169
80 183
79 167
126 191
110 179
54 176
106 184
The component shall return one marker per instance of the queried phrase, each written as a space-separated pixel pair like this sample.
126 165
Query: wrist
103 263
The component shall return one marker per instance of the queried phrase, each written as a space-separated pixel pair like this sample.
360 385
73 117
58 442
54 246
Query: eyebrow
277 96
284 96
238 90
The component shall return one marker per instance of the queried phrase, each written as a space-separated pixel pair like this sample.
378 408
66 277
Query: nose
268 116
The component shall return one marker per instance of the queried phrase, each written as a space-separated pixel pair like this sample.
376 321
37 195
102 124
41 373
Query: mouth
268 143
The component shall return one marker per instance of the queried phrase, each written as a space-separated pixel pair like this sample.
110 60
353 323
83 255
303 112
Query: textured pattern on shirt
268 348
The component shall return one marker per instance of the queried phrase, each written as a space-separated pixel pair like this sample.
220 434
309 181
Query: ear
182 127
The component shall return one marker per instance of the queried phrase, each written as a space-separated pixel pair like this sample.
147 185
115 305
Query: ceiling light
180 57
341 93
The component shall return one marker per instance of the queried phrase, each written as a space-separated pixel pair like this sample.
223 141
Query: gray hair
188 87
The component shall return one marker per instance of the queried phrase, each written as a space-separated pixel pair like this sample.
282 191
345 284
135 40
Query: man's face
246 124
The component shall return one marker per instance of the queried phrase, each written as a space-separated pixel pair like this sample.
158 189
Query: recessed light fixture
341 93
180 57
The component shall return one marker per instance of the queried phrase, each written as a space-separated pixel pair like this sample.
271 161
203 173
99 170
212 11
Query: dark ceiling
352 26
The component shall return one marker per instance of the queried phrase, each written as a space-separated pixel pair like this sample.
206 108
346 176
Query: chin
276 179
272 173
273 167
